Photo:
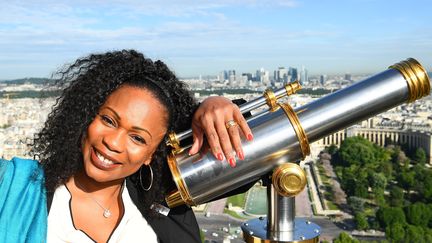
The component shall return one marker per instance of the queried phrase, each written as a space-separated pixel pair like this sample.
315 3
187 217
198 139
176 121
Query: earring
151 182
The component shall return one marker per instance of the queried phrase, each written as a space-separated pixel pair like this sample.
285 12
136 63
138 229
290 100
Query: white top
132 227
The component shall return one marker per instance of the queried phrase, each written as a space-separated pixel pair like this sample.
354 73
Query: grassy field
237 200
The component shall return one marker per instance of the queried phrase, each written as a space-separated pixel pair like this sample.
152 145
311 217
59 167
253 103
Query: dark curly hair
88 82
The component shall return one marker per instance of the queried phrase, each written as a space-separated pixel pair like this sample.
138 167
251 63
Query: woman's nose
114 141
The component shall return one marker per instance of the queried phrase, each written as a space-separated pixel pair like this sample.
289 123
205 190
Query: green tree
399 158
361 189
395 232
390 215
414 234
396 196
418 214
420 156
407 179
361 221
377 181
332 149
427 234
427 192
387 169
356 151
356 204
378 194
344 238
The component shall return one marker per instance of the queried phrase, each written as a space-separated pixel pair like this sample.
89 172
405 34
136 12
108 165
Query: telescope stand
281 225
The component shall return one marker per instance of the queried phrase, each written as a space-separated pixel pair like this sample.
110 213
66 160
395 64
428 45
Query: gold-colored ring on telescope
295 122
293 87
181 185
173 141
416 78
271 99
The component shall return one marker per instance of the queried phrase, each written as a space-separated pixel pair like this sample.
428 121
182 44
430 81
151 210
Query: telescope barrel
356 103
283 135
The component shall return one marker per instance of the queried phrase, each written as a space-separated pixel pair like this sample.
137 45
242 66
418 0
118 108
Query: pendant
107 213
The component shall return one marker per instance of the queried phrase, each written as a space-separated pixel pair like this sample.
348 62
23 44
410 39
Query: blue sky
204 37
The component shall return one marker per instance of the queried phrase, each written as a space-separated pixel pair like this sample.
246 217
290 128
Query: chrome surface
281 215
353 104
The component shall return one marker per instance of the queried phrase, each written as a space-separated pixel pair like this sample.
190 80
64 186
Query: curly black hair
88 82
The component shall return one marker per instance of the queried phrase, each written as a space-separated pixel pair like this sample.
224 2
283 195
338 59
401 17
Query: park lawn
325 179
237 200
331 205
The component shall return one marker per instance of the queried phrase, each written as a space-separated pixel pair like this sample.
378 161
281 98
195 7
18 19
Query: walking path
313 186
216 207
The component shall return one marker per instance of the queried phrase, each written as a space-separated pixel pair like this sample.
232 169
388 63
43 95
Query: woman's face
124 135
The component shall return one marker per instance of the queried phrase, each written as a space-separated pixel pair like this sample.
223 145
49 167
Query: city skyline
206 37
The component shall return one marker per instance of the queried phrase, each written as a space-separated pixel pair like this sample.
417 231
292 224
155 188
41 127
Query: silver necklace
106 211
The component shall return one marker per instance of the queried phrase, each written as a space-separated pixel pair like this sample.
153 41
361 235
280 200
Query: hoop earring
151 182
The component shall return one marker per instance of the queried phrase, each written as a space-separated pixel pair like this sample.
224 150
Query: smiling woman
124 135
103 160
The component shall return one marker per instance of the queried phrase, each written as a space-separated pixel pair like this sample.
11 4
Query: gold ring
230 123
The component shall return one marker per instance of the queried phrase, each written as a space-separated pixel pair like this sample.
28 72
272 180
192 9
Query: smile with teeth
103 159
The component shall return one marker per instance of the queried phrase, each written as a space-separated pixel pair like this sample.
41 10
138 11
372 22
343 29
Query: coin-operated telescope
281 138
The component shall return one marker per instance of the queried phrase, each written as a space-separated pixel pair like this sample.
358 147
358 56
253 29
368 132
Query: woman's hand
221 121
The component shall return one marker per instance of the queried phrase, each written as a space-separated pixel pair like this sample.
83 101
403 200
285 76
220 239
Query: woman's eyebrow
142 129
115 113
134 127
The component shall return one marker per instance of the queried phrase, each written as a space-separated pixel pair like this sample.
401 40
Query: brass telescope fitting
173 141
181 195
271 99
416 77
301 135
289 179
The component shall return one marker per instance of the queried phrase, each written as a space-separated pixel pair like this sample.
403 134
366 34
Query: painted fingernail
250 137
241 155
220 156
232 162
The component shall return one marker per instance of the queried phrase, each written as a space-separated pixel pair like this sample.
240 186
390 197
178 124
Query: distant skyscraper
258 76
293 74
248 76
263 76
281 75
221 76
323 78
304 78
232 77
348 77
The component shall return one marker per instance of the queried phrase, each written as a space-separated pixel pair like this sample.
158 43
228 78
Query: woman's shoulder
22 201
21 167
